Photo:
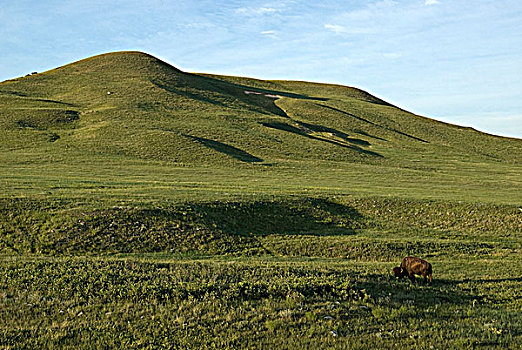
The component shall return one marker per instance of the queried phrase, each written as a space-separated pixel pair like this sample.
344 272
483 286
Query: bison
411 266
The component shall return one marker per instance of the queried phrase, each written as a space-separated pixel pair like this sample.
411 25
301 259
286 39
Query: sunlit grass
143 207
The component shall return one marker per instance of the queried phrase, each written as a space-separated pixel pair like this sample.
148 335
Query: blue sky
458 61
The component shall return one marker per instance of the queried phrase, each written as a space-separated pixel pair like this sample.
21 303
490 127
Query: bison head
397 272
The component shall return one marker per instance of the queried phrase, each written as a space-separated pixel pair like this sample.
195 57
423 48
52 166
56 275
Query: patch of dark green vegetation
212 228
227 149
362 229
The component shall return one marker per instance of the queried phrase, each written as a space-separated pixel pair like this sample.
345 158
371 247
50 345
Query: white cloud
269 33
198 25
431 2
338 29
249 11
267 10
385 3
335 28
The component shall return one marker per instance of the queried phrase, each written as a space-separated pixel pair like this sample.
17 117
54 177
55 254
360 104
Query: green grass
194 211
191 302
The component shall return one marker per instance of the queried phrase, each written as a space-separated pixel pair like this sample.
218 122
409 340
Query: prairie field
145 207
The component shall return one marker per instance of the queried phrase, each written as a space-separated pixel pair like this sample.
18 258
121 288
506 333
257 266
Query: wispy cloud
431 2
336 28
198 25
372 18
259 11
269 33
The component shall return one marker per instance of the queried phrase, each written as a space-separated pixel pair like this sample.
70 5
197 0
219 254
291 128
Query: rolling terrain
143 206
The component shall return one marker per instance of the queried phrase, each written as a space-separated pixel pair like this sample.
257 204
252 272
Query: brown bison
411 266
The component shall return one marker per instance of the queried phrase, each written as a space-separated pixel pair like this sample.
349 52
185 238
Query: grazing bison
411 266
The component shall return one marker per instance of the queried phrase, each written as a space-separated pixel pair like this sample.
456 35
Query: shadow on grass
334 132
226 86
372 123
212 227
308 216
466 280
188 94
306 130
440 291
224 93
360 132
346 113
232 151
514 279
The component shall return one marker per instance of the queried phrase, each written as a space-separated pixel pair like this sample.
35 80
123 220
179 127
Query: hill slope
175 151
133 105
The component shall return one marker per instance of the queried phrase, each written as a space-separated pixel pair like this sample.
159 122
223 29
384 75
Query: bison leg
411 277
429 276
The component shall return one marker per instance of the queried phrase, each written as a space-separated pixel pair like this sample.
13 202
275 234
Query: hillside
127 127
133 105
178 151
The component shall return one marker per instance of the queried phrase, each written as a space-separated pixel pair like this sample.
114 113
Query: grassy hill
134 105
270 211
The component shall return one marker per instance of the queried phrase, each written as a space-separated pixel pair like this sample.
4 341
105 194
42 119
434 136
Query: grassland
144 207
158 301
